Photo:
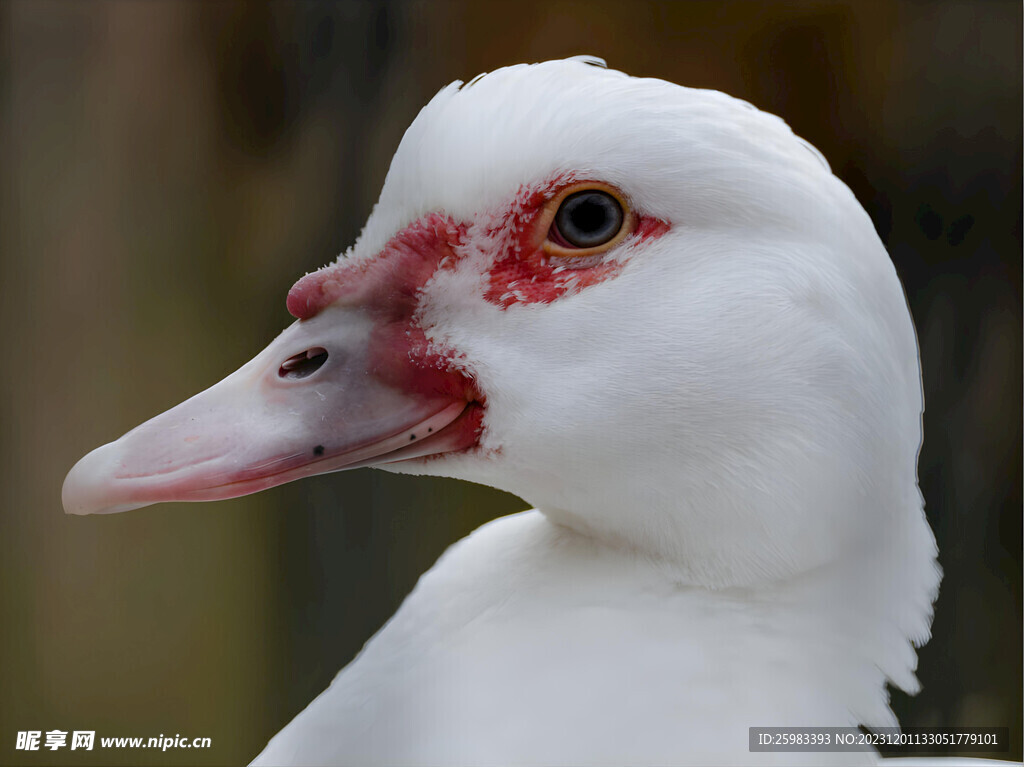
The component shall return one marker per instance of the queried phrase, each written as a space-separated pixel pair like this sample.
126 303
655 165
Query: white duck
655 314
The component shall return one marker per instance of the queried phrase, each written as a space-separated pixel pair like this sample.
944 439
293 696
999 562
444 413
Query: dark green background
169 169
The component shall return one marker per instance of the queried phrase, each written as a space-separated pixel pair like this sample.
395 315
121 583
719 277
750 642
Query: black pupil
587 219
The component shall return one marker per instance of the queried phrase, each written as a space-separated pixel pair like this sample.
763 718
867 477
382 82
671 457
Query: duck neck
857 620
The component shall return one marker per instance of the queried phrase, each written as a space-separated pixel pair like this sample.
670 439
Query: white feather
721 441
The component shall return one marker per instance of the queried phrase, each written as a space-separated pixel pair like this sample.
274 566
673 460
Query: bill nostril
304 364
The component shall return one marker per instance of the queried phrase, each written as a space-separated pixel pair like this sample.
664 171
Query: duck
657 316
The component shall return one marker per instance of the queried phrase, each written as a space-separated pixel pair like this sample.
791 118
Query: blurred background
168 169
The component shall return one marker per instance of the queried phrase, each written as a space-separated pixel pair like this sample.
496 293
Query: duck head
650 311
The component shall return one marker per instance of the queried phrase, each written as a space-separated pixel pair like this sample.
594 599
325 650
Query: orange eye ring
546 221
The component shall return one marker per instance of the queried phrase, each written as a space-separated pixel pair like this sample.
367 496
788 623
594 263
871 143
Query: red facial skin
525 274
388 286
392 279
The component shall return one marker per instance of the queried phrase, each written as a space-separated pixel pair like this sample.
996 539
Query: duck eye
588 219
